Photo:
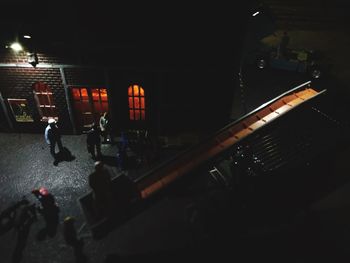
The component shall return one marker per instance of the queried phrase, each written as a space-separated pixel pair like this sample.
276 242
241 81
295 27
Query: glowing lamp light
16 47
27 36
256 13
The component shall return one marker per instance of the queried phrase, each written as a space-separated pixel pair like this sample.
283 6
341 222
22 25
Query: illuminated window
89 104
82 106
100 102
44 101
137 105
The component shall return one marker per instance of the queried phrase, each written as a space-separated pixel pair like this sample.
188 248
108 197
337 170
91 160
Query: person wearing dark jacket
100 182
93 141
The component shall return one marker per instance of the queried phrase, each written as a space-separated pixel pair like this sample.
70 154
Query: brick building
178 79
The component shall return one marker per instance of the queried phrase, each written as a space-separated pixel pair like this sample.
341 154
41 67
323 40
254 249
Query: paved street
162 231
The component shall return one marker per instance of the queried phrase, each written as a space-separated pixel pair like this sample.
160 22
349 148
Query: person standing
101 183
93 141
53 136
106 128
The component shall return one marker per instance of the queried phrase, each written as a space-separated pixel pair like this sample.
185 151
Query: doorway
89 104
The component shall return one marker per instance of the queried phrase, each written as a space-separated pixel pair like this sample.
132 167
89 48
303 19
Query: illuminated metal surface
226 138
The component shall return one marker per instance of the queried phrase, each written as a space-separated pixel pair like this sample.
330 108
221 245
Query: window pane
44 100
137 114
136 103
131 103
84 94
76 94
130 91
136 90
95 95
103 93
131 114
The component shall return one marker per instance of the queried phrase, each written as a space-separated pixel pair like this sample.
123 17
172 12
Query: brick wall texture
17 82
85 77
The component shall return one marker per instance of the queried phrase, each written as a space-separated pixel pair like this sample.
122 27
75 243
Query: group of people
93 139
100 179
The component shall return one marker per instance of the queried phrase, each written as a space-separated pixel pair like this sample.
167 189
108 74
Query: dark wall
176 101
3 121
195 100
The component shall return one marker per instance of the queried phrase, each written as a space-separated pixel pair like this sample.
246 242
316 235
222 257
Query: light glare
16 47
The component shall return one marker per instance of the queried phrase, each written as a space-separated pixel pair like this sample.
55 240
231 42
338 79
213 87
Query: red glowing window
44 100
89 104
137 104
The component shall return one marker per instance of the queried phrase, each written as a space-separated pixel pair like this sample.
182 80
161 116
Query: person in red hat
48 209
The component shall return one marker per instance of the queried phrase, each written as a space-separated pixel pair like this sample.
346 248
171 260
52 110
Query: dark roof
311 14
181 31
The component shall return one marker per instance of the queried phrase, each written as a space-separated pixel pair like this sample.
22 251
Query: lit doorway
89 104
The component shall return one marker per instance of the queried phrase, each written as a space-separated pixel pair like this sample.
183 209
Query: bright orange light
103 94
84 94
130 91
136 90
142 92
95 95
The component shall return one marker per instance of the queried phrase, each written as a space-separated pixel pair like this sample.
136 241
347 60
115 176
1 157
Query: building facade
164 100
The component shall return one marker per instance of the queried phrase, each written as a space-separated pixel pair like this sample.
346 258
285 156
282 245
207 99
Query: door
99 102
89 104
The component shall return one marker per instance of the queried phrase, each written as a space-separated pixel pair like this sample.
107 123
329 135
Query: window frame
136 103
44 102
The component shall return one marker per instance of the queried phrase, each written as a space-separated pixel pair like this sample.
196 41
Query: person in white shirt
105 128
53 136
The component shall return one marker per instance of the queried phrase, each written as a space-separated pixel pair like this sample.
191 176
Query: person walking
53 137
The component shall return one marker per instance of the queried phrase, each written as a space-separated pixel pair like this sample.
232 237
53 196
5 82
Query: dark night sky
173 31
